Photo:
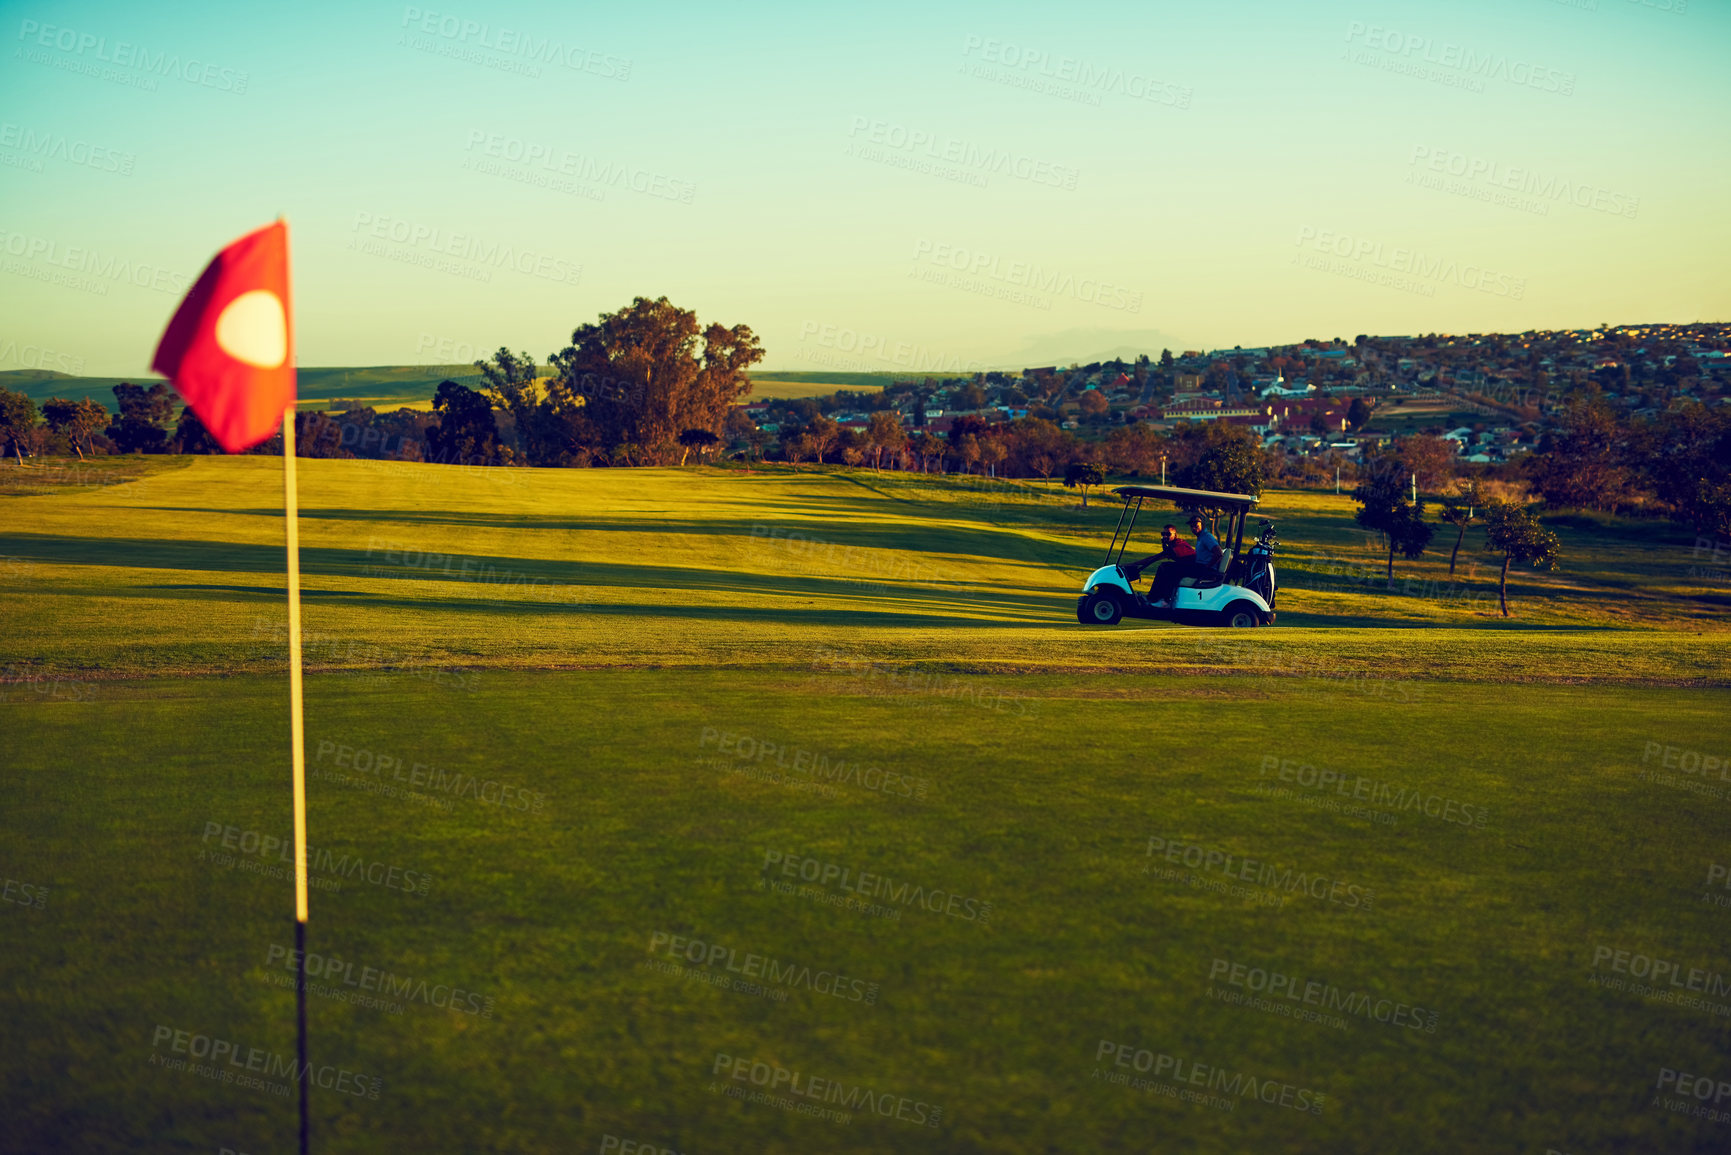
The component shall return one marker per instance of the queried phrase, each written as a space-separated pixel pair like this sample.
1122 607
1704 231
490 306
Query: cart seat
1208 583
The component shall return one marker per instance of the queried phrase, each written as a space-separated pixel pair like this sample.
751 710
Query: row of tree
646 385
1596 458
1391 508
72 423
144 421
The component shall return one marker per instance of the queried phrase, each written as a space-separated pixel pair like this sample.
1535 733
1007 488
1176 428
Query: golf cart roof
1194 498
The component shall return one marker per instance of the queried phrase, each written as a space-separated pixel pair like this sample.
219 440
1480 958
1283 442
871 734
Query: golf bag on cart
1259 564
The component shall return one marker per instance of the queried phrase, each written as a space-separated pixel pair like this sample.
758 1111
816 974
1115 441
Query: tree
360 429
1134 449
1461 509
1222 458
1512 530
992 453
1686 456
796 448
1093 404
17 419
644 376
1036 445
77 420
466 433
1082 474
884 434
318 436
968 449
1385 508
966 425
402 434
739 426
543 425
138 424
822 433
757 443
1581 464
190 436
1357 414
929 447
701 440
1707 506
1430 459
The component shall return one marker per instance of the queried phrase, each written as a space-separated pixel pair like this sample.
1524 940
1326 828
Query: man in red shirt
1171 546
1203 562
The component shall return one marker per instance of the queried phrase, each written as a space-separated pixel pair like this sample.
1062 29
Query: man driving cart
1203 562
1172 547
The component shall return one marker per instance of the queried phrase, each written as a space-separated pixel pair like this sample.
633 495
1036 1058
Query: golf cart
1241 594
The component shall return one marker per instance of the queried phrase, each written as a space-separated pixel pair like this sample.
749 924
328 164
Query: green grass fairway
562 724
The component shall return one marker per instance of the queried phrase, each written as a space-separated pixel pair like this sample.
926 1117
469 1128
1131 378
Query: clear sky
870 186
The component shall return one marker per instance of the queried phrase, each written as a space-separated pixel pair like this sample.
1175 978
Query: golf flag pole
229 352
297 754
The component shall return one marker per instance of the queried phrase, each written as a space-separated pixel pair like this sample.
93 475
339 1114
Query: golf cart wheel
1099 609
1241 616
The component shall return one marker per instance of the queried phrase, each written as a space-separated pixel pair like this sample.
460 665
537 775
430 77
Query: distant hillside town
1492 395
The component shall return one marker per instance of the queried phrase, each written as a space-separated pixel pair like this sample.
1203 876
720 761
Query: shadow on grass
868 613
527 586
846 521
819 547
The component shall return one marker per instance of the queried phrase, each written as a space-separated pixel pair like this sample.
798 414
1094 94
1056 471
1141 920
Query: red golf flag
230 348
